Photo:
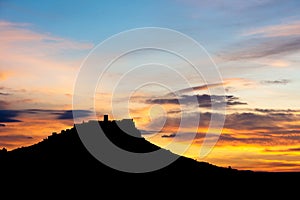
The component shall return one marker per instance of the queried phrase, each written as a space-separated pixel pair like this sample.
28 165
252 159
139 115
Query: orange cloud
3 76
30 131
240 81
252 157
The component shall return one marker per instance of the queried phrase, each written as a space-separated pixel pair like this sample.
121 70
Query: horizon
252 46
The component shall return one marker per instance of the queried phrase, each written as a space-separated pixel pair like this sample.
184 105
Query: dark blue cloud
204 100
35 111
68 114
9 116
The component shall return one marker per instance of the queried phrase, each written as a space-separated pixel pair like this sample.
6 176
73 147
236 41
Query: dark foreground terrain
62 159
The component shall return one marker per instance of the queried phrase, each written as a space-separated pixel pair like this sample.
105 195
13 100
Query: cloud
277 82
2 125
4 94
233 5
68 114
283 164
162 101
174 111
3 76
283 150
276 110
171 123
247 140
36 111
68 95
12 24
15 33
14 140
253 121
243 127
61 114
263 47
3 104
276 40
9 116
232 100
285 29
169 136
14 137
293 149
195 88
30 55
248 121
204 100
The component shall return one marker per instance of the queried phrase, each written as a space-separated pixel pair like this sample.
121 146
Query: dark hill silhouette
62 157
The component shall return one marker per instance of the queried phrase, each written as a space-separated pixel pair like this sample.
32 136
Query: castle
125 125
114 129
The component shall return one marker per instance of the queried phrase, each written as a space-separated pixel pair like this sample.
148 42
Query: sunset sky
255 45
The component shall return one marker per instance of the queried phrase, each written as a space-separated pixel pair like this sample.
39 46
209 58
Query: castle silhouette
125 125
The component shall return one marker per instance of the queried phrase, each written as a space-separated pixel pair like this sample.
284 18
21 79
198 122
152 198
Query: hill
62 157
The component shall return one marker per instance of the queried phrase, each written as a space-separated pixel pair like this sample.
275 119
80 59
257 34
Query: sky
254 44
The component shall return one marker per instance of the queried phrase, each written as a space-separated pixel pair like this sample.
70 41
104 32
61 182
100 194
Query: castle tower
105 118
